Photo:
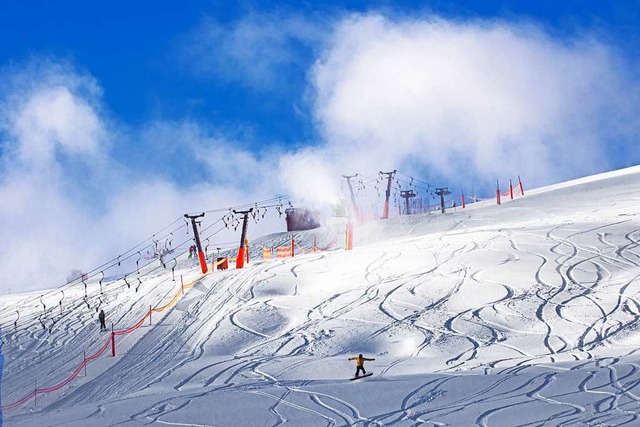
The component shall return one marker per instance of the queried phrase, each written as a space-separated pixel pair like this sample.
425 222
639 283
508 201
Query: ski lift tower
406 195
442 192
196 236
353 196
390 175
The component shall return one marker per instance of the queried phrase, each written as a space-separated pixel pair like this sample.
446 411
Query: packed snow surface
520 314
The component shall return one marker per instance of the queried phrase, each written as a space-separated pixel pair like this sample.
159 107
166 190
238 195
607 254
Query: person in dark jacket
360 364
103 325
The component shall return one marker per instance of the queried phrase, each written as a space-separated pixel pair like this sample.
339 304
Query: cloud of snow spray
311 181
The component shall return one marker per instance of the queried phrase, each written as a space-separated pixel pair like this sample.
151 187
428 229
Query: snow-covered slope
520 314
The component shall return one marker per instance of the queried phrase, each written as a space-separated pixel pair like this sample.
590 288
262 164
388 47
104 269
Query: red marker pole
346 237
113 342
510 189
349 237
497 192
463 204
521 188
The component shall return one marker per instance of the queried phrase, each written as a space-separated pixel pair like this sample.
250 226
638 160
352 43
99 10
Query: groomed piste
521 314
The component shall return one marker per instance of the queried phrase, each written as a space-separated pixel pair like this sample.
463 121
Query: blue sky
117 116
134 49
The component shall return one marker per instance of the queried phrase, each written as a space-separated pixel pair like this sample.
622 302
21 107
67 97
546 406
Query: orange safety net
327 247
516 189
305 251
34 393
283 252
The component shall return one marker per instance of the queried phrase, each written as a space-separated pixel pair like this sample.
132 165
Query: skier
360 364
103 326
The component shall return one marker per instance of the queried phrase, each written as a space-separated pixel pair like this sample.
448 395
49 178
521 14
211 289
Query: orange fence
288 251
267 253
513 191
305 251
36 391
284 252
325 248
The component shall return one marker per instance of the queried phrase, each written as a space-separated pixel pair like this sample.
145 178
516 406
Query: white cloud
469 99
55 118
49 125
51 115
67 203
257 50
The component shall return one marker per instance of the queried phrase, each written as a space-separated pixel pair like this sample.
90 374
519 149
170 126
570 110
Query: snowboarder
360 364
103 326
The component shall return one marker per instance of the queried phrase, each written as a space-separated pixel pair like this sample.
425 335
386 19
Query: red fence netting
95 355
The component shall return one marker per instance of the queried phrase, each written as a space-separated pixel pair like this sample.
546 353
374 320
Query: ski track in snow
474 324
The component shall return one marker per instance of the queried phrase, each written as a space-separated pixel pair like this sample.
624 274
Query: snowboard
361 376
